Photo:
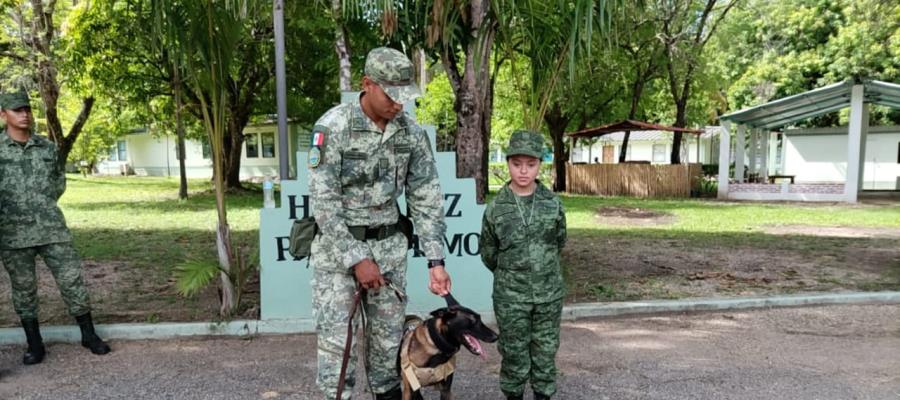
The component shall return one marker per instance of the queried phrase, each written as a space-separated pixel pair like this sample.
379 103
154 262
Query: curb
242 328
588 310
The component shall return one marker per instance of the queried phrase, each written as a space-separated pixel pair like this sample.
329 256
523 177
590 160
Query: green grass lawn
709 216
141 219
137 229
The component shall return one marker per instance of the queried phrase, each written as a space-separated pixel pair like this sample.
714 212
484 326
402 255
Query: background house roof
823 100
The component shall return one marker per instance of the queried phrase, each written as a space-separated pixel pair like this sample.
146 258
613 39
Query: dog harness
421 376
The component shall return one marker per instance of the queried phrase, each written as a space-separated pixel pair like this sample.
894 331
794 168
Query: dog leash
451 302
357 298
346 358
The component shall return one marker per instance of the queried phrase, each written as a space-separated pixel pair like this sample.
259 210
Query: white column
752 153
724 155
698 148
764 153
856 143
739 153
783 153
773 153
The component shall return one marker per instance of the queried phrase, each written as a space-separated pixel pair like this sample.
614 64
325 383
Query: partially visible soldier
363 157
523 232
31 181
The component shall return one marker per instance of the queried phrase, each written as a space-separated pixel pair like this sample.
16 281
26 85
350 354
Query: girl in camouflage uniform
523 233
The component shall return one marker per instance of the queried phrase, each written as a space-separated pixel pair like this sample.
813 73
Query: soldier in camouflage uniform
523 233
31 224
364 155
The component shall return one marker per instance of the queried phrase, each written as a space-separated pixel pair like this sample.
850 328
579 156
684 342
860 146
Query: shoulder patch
318 138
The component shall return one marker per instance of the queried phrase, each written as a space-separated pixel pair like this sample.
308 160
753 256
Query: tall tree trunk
472 92
179 131
234 147
41 54
680 119
557 122
341 46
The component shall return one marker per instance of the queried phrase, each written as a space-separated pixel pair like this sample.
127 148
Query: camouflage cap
527 143
393 71
12 101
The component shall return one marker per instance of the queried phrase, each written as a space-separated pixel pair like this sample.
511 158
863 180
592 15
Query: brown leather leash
346 360
357 298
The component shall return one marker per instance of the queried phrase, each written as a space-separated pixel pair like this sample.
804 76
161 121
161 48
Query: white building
820 156
652 146
818 165
145 154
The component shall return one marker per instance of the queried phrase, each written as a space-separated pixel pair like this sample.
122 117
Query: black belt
364 233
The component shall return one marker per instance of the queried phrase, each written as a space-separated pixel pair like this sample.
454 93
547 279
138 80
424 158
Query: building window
118 152
252 146
659 153
268 144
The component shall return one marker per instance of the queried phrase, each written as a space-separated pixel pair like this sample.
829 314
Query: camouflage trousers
64 263
383 312
529 339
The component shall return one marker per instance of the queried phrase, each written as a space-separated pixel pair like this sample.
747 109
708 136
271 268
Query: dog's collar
442 344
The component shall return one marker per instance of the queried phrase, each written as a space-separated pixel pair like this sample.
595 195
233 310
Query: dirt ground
121 292
783 259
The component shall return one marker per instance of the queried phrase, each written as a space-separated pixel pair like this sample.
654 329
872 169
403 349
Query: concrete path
838 352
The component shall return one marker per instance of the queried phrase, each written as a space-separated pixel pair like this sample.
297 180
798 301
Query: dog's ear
439 312
444 313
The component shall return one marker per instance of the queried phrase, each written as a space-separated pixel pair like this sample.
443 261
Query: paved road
835 352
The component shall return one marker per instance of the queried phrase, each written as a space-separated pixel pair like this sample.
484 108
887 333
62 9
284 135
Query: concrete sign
285 282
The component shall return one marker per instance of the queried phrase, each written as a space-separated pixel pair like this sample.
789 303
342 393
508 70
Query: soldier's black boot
36 351
513 397
393 394
90 339
539 396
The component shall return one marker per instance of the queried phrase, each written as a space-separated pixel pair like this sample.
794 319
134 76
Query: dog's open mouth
473 345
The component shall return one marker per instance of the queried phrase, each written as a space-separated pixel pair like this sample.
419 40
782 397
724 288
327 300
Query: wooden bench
772 178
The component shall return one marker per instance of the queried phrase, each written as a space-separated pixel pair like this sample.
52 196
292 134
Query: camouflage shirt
31 181
361 174
521 242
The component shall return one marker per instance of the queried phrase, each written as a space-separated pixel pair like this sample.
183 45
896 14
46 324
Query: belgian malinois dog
428 350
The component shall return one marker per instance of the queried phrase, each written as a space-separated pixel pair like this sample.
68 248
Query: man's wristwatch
435 263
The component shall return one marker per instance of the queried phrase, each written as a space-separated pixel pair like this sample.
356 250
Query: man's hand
440 281
368 274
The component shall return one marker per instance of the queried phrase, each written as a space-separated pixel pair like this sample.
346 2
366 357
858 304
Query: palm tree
464 35
555 37
207 32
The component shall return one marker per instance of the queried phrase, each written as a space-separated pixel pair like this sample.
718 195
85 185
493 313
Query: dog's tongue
474 344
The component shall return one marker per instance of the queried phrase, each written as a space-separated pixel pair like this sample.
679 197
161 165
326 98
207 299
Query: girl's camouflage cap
527 143
12 101
393 71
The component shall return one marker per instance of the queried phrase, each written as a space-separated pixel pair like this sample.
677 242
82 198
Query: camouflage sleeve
325 191
424 197
488 241
561 227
